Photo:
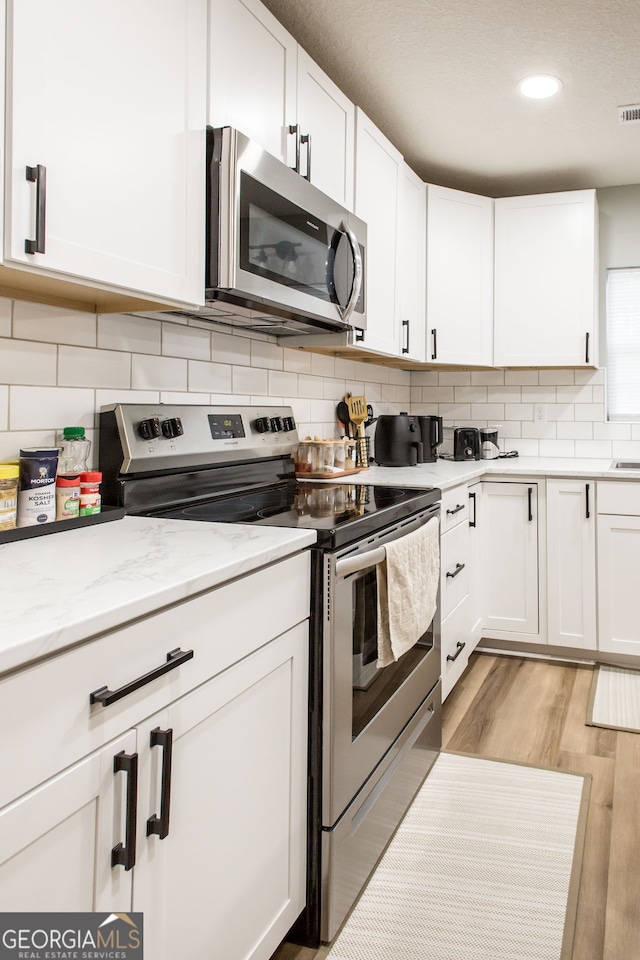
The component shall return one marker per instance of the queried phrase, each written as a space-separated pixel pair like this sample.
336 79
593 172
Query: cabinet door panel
253 74
378 167
618 565
412 264
233 865
460 276
545 286
571 564
510 557
56 842
328 116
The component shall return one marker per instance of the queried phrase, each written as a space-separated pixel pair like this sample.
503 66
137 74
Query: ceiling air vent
629 113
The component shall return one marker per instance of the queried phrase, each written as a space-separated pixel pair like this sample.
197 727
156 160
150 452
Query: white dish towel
408 581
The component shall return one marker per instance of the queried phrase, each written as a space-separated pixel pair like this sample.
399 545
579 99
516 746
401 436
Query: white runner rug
485 866
615 699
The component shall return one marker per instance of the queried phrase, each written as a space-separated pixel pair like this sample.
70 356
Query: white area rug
615 699
485 866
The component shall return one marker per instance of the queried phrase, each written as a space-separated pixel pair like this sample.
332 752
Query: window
623 343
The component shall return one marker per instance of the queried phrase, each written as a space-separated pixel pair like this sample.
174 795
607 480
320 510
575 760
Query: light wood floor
534 711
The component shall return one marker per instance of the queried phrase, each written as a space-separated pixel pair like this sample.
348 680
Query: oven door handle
360 562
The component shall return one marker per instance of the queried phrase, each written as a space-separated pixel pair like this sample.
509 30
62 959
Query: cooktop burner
326 508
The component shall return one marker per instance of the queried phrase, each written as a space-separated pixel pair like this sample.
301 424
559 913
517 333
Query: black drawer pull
160 825
106 697
459 568
434 336
530 503
474 522
587 505
459 507
586 349
455 656
125 856
38 175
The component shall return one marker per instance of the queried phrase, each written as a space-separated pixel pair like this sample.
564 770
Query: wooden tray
333 475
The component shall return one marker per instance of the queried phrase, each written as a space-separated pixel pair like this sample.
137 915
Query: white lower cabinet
571 563
459 584
510 559
618 566
195 813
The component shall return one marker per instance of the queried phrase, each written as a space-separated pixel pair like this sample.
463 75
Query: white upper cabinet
106 104
545 280
459 277
412 263
252 74
327 122
265 85
379 169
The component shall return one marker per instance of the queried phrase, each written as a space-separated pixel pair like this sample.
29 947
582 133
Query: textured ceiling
439 77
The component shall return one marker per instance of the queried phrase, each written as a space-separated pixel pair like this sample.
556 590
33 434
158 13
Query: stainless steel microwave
282 257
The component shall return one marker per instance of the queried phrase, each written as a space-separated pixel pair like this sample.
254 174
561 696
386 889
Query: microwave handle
357 270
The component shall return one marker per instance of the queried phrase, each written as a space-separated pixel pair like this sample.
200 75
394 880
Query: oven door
365 709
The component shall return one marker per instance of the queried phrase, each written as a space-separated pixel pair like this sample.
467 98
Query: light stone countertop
63 588
60 589
448 473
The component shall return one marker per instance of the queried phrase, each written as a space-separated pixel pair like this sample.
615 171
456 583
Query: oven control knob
172 427
276 424
288 423
149 429
263 425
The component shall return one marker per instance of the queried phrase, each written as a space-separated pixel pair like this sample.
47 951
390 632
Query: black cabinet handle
586 351
434 339
359 336
474 522
306 138
294 128
160 825
458 508
586 497
125 856
106 697
459 568
455 656
38 175
530 499
405 324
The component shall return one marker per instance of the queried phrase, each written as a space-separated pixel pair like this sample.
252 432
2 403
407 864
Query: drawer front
46 706
454 568
622 498
456 646
455 507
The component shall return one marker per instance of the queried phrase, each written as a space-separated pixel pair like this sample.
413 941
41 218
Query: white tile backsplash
58 367
22 361
85 367
34 321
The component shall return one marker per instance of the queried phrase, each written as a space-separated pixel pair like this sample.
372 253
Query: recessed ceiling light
540 87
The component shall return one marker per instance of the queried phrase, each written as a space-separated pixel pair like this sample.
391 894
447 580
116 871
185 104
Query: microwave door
344 270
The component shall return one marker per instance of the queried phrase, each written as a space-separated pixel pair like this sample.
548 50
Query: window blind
623 343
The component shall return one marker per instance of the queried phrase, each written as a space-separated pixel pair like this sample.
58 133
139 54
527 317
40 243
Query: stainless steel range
373 733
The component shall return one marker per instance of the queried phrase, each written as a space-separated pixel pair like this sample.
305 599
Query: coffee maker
489 449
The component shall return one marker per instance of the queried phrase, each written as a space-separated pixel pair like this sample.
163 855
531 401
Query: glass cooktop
339 512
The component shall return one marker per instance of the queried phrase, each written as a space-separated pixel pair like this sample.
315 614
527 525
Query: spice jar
9 473
67 497
340 453
304 457
90 499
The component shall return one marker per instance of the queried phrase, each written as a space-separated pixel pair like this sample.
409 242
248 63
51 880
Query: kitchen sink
626 464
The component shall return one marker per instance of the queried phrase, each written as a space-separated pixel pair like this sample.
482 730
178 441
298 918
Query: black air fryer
398 441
